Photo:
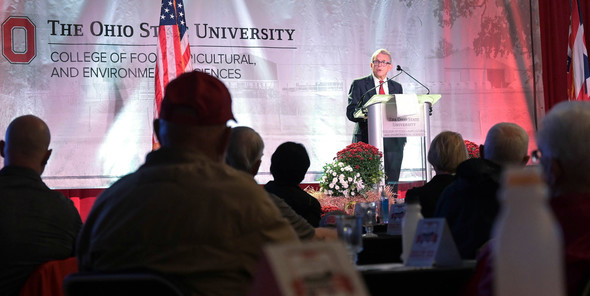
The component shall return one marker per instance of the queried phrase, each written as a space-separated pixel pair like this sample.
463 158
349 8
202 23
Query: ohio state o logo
23 51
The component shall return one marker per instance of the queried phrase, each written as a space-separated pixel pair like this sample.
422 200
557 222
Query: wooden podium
399 115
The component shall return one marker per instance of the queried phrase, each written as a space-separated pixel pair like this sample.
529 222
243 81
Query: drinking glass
368 212
350 229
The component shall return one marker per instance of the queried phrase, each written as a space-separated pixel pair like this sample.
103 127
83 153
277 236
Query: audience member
185 213
562 141
37 224
469 203
288 166
447 151
245 153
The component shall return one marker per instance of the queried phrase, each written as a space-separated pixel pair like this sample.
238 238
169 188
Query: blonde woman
447 151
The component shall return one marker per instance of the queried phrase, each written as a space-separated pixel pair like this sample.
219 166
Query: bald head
507 144
26 143
245 150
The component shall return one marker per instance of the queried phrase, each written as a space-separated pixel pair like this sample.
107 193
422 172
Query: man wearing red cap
185 213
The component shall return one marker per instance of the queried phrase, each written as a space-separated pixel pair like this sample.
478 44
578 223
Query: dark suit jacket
470 205
357 89
300 201
37 225
428 194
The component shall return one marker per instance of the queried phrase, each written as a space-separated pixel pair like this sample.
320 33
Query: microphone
402 70
361 100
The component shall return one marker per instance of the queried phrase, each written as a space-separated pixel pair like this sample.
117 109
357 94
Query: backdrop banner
88 68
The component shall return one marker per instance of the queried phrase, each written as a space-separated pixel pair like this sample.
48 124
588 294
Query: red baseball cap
196 98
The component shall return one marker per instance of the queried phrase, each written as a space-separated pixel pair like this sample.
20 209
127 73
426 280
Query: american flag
578 71
174 53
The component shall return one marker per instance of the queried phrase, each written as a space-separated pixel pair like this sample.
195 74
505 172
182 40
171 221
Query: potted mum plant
353 172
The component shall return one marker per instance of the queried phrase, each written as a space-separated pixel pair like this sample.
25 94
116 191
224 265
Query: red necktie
381 90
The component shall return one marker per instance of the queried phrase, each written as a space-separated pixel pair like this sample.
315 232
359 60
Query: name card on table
396 215
433 245
314 268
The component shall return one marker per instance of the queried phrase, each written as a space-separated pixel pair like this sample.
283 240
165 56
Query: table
397 279
382 249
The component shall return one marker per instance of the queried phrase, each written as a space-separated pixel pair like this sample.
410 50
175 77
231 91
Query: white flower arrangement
354 171
343 181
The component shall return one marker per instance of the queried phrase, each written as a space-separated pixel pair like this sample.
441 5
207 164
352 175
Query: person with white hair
361 90
469 203
244 153
563 144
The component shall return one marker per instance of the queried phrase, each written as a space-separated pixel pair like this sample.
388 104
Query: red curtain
83 199
554 16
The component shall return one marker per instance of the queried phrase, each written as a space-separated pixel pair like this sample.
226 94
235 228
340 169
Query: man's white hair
506 144
382 51
245 148
565 136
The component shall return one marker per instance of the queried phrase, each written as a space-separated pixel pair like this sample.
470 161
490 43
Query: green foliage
354 171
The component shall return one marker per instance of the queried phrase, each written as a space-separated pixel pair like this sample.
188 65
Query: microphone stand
361 100
428 90
402 70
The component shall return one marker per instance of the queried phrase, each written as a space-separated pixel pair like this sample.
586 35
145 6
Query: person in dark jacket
37 224
469 203
244 153
563 149
447 151
288 166
361 90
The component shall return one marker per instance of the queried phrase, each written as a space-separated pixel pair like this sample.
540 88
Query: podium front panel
383 122
404 126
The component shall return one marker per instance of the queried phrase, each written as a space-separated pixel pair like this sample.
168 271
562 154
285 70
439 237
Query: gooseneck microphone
402 70
362 101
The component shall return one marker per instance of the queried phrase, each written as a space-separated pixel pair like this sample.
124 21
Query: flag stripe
578 69
173 50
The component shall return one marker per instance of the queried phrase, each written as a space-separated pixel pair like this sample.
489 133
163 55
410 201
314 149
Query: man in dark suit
363 89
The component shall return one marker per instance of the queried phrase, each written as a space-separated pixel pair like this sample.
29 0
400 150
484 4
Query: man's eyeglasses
377 62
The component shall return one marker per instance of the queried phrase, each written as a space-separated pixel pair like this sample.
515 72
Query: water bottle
527 245
384 206
409 225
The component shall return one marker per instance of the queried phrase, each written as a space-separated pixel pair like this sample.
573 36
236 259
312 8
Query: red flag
578 71
174 53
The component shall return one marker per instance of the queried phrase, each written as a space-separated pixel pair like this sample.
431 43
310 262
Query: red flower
472 149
